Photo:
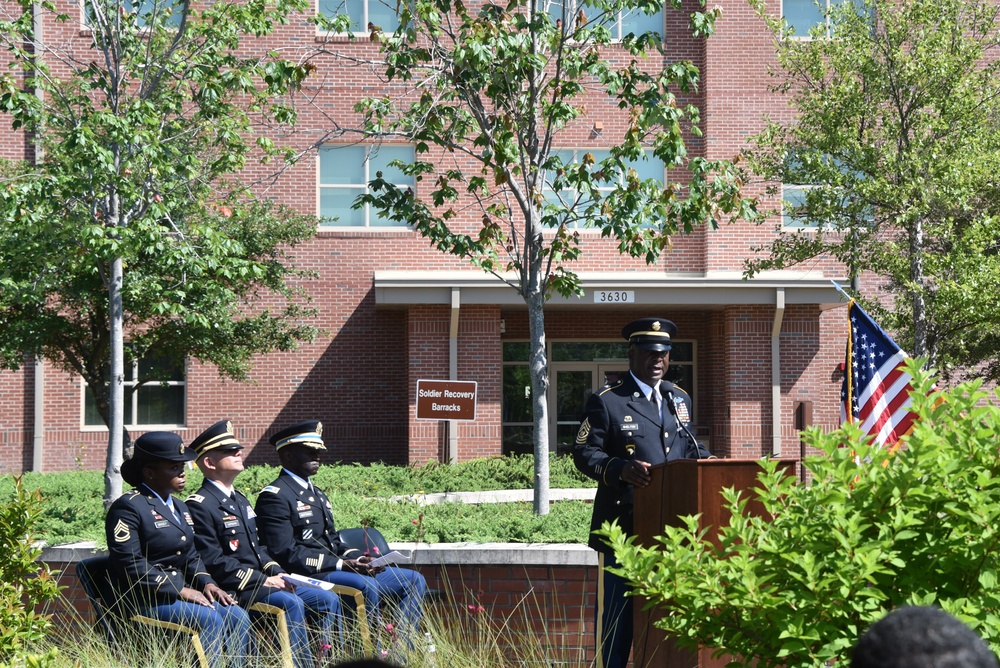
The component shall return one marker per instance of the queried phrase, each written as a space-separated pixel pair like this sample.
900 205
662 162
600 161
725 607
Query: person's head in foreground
921 637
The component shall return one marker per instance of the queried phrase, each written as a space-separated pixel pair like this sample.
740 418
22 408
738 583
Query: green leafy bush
872 531
25 585
73 510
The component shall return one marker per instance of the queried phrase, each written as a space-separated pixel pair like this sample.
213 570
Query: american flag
876 389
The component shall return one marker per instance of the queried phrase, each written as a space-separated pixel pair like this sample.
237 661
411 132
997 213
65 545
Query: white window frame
366 14
617 27
369 174
787 218
86 24
134 398
578 152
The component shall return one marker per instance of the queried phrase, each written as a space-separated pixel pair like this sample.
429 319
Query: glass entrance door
571 392
572 389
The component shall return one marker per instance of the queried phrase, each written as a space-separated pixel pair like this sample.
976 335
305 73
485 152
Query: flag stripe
876 388
883 404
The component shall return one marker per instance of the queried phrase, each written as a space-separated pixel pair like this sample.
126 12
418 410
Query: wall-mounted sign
446 400
614 296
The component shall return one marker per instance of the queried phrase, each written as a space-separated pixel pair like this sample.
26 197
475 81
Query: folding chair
93 576
371 541
362 615
367 539
281 623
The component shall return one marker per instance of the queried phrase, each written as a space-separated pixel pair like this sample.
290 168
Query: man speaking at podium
630 425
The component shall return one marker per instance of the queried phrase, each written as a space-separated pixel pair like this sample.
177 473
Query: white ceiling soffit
693 291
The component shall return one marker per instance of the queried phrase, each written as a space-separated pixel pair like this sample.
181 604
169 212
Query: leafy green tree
484 96
872 531
129 222
25 585
894 152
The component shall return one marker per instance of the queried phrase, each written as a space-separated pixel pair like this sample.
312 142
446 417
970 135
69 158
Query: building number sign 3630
614 296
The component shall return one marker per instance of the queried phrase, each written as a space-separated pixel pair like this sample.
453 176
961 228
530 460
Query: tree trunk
116 390
917 295
539 366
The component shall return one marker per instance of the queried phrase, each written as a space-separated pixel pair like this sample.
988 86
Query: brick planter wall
534 597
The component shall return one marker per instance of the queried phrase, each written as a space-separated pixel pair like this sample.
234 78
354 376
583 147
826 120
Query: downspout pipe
776 412
38 390
456 305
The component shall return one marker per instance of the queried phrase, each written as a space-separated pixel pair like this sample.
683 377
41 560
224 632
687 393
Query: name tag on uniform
162 524
231 524
633 428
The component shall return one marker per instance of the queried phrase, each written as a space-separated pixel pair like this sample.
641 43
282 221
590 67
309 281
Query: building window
620 23
649 168
803 16
154 395
379 13
793 201
147 11
344 174
576 369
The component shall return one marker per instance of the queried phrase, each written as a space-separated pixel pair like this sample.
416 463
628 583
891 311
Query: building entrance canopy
702 291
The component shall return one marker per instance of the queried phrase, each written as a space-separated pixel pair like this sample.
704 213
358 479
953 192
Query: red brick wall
525 606
359 379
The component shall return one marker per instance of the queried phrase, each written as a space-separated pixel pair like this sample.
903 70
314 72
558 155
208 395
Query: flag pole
848 375
841 290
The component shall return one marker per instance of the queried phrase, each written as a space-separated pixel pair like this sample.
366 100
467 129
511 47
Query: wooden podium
679 488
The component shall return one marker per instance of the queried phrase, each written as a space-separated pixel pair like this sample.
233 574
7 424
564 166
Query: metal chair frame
93 576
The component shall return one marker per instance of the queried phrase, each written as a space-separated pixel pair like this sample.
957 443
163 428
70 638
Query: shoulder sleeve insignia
581 436
271 489
610 386
122 532
197 498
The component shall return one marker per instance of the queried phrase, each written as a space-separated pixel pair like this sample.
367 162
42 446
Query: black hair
921 637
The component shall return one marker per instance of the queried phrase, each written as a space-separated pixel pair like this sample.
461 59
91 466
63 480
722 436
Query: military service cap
650 333
151 446
309 434
217 437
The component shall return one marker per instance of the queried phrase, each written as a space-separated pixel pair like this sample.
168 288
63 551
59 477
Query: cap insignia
319 428
656 326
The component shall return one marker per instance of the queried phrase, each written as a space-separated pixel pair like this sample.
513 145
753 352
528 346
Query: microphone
682 426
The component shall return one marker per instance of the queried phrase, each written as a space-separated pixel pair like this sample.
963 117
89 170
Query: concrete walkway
498 496
527 554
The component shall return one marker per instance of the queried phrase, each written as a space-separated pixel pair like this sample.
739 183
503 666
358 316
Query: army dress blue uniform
639 418
621 424
226 537
296 523
153 557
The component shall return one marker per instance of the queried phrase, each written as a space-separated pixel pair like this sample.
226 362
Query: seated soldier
296 523
154 564
226 536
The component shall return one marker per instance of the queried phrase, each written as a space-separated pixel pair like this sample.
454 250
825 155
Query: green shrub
73 510
25 586
871 532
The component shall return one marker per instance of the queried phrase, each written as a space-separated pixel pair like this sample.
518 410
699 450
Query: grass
455 637
360 495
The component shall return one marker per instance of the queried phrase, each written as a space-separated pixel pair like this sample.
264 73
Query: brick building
397 311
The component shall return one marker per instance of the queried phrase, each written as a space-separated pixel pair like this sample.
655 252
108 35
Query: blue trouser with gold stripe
613 616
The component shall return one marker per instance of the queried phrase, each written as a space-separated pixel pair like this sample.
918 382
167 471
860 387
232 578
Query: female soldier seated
154 564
